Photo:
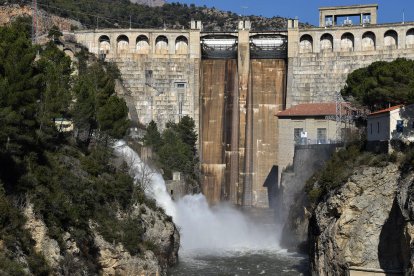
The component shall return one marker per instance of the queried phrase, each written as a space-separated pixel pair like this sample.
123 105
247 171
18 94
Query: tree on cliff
382 84
19 91
175 147
55 82
97 107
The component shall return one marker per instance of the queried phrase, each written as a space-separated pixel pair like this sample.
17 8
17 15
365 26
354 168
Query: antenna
403 16
244 8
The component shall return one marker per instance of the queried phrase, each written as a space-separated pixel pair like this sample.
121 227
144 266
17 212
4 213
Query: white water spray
222 228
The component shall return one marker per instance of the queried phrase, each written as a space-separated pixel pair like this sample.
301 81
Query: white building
396 122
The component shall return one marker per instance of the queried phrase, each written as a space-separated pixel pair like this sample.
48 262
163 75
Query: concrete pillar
402 36
194 48
293 52
243 64
374 17
194 40
132 43
293 37
114 48
171 44
380 39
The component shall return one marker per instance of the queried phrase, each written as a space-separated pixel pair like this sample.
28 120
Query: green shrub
10 267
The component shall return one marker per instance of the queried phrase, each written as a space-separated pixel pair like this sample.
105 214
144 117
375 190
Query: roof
349 7
383 111
309 109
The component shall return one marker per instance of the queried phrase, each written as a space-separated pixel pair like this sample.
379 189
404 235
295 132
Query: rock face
159 230
151 3
116 260
45 21
366 225
113 259
44 244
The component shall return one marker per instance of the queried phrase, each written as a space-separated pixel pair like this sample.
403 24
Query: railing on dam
262 47
219 47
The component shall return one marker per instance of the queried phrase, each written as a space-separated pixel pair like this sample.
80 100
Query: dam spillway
238 138
268 88
218 117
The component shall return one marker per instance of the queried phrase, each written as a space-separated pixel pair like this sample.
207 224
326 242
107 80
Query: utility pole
34 21
338 117
130 22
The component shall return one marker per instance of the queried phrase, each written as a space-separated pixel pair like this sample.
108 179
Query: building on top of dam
233 83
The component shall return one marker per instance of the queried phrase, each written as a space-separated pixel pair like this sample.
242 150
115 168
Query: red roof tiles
310 109
386 110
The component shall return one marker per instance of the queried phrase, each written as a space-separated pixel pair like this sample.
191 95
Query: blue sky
307 10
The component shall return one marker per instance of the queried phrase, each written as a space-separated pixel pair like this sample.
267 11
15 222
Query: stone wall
320 59
286 136
159 69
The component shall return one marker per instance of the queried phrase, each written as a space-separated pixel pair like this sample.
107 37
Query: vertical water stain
239 130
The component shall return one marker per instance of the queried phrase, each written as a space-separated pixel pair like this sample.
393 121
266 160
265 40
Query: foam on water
203 229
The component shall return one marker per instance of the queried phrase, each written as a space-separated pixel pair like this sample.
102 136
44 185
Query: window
180 85
370 125
296 135
400 126
321 135
378 125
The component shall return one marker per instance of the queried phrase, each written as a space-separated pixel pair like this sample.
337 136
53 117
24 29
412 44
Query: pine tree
152 137
19 91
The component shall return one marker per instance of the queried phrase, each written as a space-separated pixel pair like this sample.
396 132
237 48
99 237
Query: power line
34 21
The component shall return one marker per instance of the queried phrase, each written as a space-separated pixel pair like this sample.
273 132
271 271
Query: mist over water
204 229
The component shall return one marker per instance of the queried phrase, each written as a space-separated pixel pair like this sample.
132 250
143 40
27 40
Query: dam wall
320 59
234 83
160 70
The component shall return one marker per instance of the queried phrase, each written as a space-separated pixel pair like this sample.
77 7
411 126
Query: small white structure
63 125
396 122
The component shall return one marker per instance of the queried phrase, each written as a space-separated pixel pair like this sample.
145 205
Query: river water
222 240
265 259
249 262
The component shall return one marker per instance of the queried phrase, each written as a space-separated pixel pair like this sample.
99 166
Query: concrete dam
234 83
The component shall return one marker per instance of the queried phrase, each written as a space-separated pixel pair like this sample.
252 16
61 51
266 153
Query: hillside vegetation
66 183
120 13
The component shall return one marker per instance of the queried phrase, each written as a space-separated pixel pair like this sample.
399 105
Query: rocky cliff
366 225
151 3
45 21
113 259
